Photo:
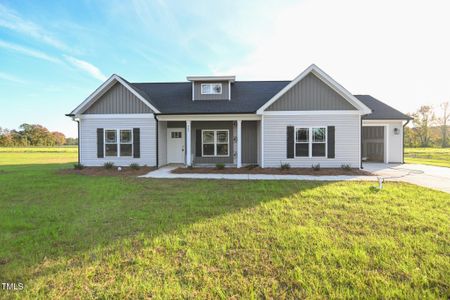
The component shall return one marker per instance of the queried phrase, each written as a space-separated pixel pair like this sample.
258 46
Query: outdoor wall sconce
396 131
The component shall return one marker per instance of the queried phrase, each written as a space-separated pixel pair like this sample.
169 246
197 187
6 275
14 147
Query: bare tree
443 121
423 120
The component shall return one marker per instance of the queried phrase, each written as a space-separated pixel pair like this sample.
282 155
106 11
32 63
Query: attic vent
211 88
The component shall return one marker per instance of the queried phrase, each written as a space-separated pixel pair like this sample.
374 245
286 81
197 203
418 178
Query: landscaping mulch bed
101 171
274 171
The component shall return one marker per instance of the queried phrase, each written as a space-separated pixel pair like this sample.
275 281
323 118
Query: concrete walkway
428 176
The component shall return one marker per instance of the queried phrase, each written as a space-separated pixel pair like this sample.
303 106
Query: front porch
209 140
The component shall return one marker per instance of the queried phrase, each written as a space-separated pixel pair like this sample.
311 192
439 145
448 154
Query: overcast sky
53 55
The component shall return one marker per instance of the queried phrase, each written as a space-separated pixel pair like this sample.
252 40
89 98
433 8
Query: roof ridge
172 82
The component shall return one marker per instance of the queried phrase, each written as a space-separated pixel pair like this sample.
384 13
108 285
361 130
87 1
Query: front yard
77 236
428 156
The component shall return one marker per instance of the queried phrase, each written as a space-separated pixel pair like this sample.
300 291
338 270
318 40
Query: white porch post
239 150
188 143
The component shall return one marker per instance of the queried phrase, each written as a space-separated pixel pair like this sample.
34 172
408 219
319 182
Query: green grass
72 236
37 155
428 156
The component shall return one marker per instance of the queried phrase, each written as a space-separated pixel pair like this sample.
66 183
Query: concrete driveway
428 176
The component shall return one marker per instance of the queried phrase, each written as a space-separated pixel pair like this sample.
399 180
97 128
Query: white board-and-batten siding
88 140
347 139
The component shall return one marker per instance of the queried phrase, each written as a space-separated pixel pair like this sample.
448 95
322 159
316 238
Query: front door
175 145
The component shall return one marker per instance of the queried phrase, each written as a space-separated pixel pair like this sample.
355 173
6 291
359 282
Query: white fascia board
381 122
115 116
327 80
211 78
311 112
209 117
104 88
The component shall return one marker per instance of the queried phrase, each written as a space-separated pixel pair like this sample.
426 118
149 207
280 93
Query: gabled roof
380 110
327 80
105 87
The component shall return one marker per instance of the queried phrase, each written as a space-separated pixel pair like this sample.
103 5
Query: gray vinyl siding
118 100
311 93
162 143
198 91
212 125
88 140
347 140
249 142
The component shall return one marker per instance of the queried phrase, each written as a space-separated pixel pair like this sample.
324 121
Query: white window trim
211 89
310 141
215 143
118 143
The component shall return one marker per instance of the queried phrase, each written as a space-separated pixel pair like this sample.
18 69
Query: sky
53 54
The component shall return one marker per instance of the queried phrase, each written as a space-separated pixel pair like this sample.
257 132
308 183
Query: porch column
239 134
188 143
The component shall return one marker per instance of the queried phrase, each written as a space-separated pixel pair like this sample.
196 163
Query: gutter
78 131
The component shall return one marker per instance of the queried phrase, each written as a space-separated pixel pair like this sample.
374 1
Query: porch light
396 131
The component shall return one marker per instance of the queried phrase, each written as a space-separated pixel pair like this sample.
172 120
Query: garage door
373 143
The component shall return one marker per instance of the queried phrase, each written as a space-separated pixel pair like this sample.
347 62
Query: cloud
28 52
87 67
11 20
11 78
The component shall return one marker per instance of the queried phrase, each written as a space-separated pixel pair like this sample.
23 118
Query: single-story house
216 119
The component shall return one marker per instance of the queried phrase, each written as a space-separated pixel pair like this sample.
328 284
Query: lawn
428 156
75 236
37 155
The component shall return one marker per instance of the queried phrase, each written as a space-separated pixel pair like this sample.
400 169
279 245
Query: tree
31 135
423 119
443 121
58 138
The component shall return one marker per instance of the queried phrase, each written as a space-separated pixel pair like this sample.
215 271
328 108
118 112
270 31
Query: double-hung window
310 141
118 142
215 142
211 88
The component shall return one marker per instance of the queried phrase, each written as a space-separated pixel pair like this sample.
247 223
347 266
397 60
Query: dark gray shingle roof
380 110
246 97
176 98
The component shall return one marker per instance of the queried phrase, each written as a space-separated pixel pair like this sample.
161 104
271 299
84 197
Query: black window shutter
100 143
198 143
290 142
136 142
331 142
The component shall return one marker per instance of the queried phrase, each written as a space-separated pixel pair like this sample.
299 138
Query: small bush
285 166
135 166
346 167
108 165
220 166
250 167
190 167
78 166
316 167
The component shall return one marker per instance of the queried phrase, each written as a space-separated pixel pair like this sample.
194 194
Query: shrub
250 167
108 165
220 166
346 167
78 166
135 166
285 166
316 167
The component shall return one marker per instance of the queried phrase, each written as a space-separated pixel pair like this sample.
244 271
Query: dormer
211 87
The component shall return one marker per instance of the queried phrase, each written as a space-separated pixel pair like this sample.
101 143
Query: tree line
430 128
33 135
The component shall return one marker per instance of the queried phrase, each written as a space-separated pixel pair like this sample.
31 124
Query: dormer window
211 88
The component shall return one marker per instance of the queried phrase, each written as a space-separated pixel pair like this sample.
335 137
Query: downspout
78 140
403 138
157 141
361 141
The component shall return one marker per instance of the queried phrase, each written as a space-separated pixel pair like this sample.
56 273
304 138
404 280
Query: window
175 134
302 142
110 143
211 88
215 142
126 142
310 141
318 141
118 147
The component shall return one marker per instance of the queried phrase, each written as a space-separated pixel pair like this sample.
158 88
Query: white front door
175 145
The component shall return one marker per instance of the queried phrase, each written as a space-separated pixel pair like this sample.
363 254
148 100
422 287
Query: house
216 119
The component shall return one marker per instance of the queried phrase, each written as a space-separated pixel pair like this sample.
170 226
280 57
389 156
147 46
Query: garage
373 143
